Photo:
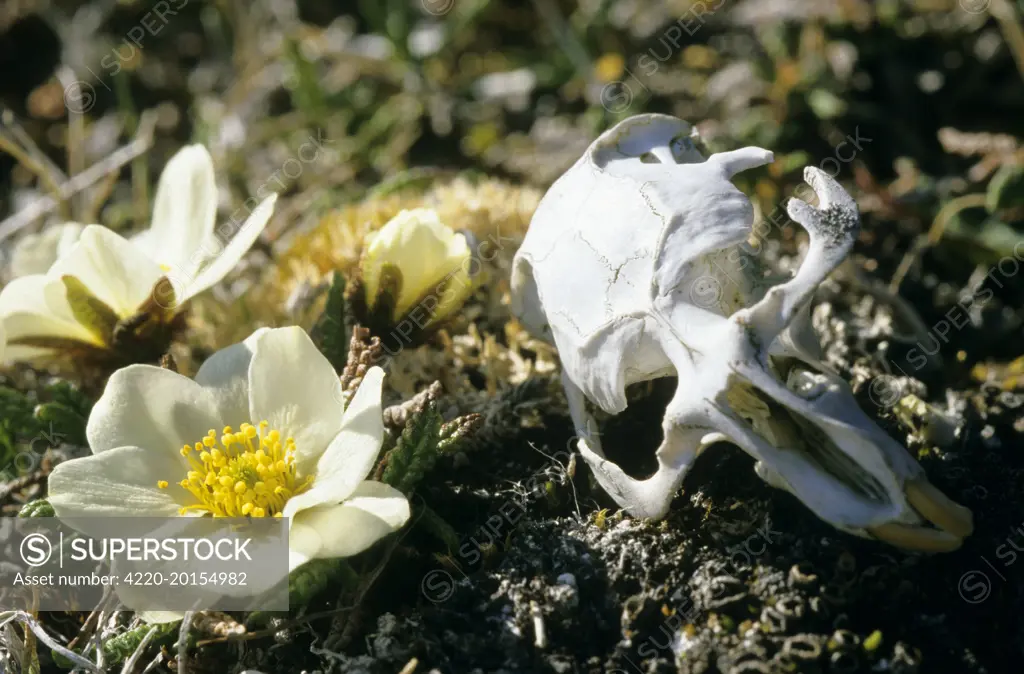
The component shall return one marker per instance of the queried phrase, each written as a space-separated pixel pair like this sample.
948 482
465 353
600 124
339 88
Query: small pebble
567 579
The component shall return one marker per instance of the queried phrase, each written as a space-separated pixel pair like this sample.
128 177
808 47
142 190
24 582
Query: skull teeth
954 521
938 508
910 537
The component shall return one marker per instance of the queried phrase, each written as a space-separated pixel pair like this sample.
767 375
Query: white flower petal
227 257
303 544
146 240
427 252
374 511
185 210
150 407
37 306
118 482
226 375
113 269
294 387
40 295
352 453
25 354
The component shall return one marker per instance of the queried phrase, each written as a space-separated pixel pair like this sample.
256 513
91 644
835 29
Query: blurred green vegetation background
916 105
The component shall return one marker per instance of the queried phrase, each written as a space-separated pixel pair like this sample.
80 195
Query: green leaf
17 425
119 648
89 310
457 433
794 161
330 333
416 179
307 93
416 451
38 508
986 243
62 424
389 287
313 577
70 396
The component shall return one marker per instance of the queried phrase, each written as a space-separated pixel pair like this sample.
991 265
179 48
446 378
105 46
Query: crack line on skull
655 311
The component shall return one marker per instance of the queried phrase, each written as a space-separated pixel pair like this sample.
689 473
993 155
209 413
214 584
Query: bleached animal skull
617 269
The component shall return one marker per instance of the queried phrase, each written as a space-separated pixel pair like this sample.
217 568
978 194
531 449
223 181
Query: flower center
248 473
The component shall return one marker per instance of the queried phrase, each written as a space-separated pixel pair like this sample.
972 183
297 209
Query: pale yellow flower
434 264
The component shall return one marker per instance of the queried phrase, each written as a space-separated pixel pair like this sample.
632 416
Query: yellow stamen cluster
248 473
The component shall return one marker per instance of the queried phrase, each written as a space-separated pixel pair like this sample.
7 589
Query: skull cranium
635 266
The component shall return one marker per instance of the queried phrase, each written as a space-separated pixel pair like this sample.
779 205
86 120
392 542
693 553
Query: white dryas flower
261 432
427 261
104 279
36 253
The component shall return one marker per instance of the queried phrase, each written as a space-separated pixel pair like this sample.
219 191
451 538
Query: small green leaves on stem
416 451
330 332
119 648
63 417
38 508
57 416
16 422
455 434
425 436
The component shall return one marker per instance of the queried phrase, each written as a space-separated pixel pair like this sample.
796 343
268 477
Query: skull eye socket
632 437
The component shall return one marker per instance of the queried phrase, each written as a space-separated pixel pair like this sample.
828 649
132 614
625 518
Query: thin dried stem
76 131
143 141
32 624
9 144
186 622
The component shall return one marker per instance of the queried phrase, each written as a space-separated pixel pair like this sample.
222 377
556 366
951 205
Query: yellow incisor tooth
938 508
912 537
